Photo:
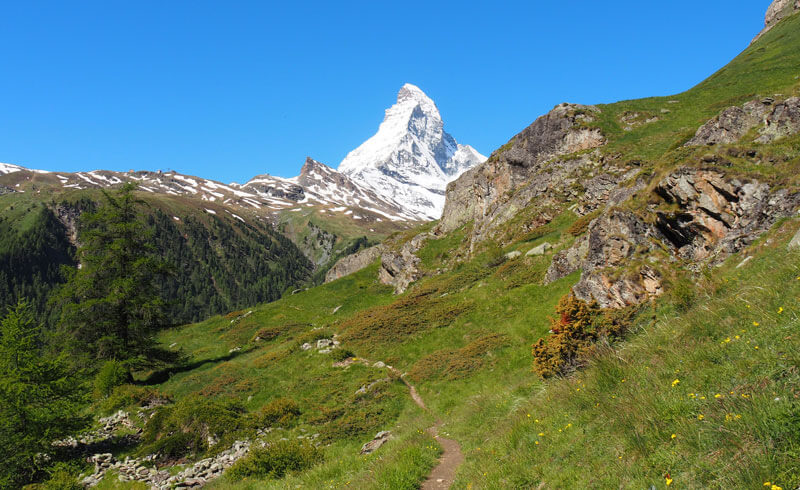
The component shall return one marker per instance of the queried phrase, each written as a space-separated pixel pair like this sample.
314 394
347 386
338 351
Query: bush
128 395
276 460
682 294
582 224
578 326
339 355
62 477
281 411
112 374
184 428
457 364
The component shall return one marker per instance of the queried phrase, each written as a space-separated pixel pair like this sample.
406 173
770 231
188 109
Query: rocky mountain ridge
411 158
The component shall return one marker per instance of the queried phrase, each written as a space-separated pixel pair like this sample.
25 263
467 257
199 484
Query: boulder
513 254
795 243
354 263
539 249
379 440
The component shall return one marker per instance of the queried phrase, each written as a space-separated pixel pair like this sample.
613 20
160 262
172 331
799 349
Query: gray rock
379 440
354 263
513 254
777 11
539 249
401 268
776 120
795 243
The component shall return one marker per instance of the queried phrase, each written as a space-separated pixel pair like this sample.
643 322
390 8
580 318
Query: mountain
411 158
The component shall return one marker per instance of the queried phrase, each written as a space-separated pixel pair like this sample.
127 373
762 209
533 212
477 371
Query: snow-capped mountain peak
411 158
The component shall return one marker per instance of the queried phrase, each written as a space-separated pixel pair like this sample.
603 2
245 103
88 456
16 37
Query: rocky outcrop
794 244
401 268
354 263
491 193
776 120
602 253
718 216
777 11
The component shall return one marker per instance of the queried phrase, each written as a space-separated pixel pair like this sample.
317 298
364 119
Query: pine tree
39 398
110 306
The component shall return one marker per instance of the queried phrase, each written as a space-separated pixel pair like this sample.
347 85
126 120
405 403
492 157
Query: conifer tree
110 306
39 398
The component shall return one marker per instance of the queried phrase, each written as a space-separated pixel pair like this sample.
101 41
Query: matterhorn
411 158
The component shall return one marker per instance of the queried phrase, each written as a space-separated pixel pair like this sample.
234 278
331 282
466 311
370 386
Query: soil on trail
444 474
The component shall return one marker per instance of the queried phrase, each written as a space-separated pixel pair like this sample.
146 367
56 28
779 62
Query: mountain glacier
411 158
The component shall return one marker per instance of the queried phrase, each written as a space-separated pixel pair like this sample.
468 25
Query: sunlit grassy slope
701 396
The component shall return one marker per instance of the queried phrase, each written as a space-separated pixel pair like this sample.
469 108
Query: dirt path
444 474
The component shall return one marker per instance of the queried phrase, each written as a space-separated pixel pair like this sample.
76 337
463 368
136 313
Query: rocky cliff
354 263
777 11
525 168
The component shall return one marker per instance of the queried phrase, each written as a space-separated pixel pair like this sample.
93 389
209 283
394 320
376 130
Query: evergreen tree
39 398
110 306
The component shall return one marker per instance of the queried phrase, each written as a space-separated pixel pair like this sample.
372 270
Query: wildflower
541 434
745 395
756 347
775 487
748 306
673 436
727 340
717 396
780 310
702 398
536 442
675 383
701 417
529 415
668 481
623 380
737 337
755 324
692 395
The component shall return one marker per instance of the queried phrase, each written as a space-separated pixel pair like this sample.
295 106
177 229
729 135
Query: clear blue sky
227 90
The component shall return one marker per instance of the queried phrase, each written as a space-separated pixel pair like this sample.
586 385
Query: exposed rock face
718 216
399 269
490 194
354 263
611 242
778 120
777 11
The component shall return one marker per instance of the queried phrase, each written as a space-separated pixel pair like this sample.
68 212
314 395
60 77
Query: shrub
266 334
62 477
112 374
581 224
578 326
457 364
276 460
339 355
184 428
281 411
127 395
682 294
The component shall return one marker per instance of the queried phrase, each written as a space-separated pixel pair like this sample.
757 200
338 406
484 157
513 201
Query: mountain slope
702 393
411 158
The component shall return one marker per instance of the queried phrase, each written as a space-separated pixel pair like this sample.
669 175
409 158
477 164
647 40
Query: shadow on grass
183 365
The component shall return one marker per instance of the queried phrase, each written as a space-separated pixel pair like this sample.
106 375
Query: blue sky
228 90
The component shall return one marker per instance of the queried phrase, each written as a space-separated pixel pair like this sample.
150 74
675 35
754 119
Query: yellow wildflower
780 310
755 324
669 481
675 383
692 395
717 396
701 417
673 436
541 434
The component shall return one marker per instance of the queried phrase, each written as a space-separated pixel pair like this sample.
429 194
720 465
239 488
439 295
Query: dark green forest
216 264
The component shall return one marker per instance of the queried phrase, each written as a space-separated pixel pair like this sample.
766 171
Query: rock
777 11
379 440
718 216
306 346
400 268
513 254
354 263
795 243
539 249
527 167
777 120
611 240
324 343
381 364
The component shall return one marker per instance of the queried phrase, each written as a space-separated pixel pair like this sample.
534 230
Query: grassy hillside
702 393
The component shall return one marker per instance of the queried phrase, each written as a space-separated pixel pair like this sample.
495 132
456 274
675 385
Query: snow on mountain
411 158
